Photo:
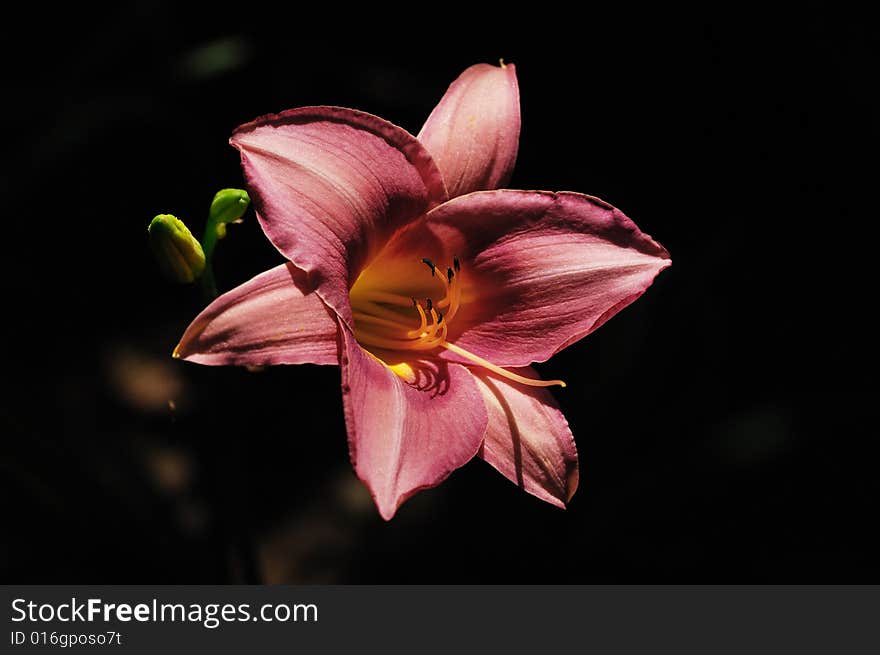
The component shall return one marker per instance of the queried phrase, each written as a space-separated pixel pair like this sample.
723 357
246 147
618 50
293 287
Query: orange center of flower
392 322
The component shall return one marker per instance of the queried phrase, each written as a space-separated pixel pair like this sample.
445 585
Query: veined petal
330 185
406 437
539 270
271 319
473 134
528 439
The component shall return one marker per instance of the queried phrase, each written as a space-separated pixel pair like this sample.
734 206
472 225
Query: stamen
433 328
425 338
446 296
453 296
456 301
414 334
382 320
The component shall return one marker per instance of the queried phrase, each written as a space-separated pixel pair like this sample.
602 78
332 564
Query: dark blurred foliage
724 420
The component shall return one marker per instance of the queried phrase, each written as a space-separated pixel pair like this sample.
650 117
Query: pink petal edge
473 133
403 439
271 319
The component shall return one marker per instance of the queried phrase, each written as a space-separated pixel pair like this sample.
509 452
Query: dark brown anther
439 318
415 302
456 263
429 304
427 262
449 275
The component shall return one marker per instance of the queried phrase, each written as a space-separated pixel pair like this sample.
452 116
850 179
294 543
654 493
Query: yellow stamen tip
176 353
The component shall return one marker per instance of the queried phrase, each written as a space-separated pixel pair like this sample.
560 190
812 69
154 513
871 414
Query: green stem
209 241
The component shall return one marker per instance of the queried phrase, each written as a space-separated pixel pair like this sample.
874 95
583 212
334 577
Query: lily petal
330 185
528 439
271 319
539 270
473 133
407 437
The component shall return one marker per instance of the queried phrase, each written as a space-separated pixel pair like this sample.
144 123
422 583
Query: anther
449 275
429 304
415 302
456 263
439 318
427 262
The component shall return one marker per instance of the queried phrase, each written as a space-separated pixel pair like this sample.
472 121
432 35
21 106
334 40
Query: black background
723 421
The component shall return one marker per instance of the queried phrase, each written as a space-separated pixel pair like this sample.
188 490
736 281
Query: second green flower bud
227 207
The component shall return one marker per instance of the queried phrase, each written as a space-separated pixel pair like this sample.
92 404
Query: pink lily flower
431 289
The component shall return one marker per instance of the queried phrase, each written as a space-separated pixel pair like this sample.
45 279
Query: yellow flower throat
387 321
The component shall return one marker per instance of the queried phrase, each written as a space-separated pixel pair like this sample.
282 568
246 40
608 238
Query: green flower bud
227 207
178 252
